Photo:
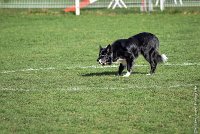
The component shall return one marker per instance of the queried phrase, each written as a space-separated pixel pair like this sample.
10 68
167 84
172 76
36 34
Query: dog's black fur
129 49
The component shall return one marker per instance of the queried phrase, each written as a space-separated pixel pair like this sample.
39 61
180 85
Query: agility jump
83 3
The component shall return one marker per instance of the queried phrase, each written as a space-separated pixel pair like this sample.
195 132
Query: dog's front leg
121 68
129 67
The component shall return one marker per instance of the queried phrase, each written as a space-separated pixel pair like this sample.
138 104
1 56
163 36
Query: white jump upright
150 5
162 3
77 7
181 2
117 3
162 7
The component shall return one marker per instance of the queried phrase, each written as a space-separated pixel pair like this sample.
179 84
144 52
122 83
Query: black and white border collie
125 51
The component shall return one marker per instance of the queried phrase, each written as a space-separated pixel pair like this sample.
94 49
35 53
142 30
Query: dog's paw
149 74
127 74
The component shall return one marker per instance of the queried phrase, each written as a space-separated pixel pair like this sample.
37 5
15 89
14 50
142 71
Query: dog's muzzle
101 62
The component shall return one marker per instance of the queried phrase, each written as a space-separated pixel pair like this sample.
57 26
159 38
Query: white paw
127 74
148 74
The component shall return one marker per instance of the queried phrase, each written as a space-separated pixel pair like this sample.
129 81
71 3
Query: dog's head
105 55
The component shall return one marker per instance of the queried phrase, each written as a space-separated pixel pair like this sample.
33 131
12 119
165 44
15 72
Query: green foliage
72 99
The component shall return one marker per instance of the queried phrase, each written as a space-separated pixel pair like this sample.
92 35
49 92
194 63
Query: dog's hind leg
151 58
153 67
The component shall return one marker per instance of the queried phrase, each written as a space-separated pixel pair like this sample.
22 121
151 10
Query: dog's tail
161 58
164 58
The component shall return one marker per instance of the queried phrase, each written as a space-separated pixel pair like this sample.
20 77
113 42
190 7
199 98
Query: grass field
50 81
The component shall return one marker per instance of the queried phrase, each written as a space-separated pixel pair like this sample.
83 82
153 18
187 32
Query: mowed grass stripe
81 88
94 66
130 111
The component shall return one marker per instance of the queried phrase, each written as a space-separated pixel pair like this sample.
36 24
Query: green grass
70 99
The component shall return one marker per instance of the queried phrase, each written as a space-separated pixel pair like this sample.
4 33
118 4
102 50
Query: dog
125 51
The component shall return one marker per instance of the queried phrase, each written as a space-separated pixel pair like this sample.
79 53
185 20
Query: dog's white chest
122 61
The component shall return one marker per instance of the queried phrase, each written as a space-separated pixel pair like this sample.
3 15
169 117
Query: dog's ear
109 49
100 47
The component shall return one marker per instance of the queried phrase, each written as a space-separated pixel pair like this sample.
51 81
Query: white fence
97 4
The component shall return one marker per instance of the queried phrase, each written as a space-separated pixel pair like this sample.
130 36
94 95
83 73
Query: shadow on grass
99 74
107 74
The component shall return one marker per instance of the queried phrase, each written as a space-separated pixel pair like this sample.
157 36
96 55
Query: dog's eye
102 56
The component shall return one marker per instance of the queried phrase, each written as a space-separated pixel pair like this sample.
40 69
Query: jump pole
77 7
143 7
